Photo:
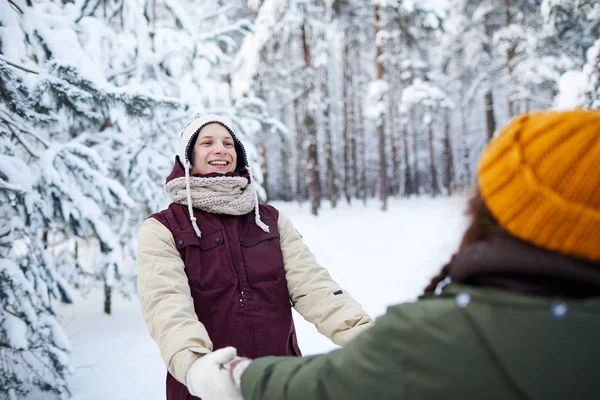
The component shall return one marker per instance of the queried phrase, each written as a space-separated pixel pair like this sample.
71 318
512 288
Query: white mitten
237 368
209 377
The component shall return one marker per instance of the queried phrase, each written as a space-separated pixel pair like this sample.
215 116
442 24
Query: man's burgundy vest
237 280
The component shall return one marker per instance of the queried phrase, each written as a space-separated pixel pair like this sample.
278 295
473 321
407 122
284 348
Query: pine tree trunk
417 173
409 186
314 184
363 171
348 144
489 115
435 188
396 163
488 97
359 171
332 191
262 145
448 158
107 299
395 137
383 181
285 157
359 181
300 162
466 156
264 166
510 54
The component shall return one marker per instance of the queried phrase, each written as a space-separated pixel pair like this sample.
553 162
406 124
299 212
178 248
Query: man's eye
206 142
229 144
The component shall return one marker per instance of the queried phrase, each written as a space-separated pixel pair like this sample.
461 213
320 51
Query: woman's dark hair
483 226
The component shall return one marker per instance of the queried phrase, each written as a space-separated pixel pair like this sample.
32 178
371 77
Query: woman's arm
369 367
316 296
166 300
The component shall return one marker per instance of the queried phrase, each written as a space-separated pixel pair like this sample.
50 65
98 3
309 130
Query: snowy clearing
381 258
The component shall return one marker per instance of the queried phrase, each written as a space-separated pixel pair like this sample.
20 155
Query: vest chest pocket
262 255
207 264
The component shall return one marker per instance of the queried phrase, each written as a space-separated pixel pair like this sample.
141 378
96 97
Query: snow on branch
247 59
424 94
22 68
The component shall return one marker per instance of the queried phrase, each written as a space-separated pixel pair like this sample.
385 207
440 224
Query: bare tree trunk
489 115
300 162
359 169
435 188
363 171
314 184
349 160
466 156
261 143
107 299
449 178
417 173
395 137
510 54
332 190
285 157
489 99
396 163
264 167
359 183
409 186
359 173
331 176
383 181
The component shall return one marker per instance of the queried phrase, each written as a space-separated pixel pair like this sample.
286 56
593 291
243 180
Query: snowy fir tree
592 76
93 97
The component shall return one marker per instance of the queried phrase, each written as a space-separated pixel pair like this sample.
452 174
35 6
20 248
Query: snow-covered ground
381 258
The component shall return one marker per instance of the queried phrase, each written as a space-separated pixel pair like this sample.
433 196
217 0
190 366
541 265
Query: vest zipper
242 287
241 276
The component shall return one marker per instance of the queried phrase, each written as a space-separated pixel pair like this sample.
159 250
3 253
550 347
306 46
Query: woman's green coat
466 343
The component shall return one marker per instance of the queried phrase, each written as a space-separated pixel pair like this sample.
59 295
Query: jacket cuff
182 361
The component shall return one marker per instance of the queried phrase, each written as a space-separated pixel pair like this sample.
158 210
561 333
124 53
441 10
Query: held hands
217 375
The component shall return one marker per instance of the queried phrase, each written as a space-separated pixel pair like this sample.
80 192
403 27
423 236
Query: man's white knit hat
186 143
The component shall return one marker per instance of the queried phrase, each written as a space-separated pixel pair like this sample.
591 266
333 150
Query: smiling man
213 151
218 269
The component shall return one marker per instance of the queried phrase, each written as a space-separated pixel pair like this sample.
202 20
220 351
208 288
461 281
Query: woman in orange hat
515 314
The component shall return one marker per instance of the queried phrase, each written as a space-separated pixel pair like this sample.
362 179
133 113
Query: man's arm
166 300
315 295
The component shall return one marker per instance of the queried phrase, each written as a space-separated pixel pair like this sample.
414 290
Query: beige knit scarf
230 195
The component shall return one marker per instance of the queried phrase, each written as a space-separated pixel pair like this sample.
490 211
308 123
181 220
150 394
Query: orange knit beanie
540 178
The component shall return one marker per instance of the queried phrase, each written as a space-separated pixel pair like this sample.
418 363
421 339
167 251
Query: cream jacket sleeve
166 300
315 295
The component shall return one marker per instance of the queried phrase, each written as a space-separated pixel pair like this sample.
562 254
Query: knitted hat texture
540 178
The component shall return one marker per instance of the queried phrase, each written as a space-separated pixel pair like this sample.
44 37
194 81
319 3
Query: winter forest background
335 100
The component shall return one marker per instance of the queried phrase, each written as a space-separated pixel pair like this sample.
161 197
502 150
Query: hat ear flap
241 158
190 147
